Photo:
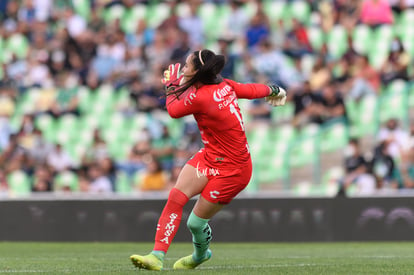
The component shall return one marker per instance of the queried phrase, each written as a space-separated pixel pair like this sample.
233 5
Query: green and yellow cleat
189 262
150 262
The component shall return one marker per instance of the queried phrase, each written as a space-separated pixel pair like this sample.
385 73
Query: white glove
277 97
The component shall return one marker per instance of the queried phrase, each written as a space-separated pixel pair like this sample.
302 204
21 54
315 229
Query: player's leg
201 231
189 183
218 192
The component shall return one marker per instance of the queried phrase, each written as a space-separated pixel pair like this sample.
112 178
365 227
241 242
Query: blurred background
82 112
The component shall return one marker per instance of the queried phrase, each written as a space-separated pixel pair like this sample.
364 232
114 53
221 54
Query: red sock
170 220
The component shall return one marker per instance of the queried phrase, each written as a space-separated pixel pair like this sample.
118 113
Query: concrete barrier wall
265 220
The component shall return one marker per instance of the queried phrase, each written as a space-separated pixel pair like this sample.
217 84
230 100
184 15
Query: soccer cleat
189 262
150 262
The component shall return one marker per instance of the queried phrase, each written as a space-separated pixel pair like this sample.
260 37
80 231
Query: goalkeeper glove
277 96
172 76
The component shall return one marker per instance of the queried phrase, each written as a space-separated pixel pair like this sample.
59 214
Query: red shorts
223 183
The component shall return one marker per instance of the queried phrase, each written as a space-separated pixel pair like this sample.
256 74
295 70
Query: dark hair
208 66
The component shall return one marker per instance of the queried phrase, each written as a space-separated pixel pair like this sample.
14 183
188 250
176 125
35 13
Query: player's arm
273 94
185 104
249 90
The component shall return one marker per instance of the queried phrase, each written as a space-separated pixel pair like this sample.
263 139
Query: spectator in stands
137 158
67 101
42 180
238 20
383 166
404 175
153 178
224 45
181 48
273 65
4 184
306 106
365 79
59 159
376 12
99 182
356 171
396 65
6 128
347 13
297 42
142 37
257 31
396 137
97 151
320 75
193 25
41 148
332 104
163 149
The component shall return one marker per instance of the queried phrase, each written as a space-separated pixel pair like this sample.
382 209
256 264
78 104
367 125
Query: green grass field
228 258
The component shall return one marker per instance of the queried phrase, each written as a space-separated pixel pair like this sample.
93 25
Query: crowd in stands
57 54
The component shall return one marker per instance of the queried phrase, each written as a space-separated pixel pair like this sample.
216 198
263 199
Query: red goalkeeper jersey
219 119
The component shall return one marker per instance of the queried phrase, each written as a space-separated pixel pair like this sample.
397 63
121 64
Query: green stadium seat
362 38
129 21
18 44
395 105
82 7
157 13
363 116
337 41
66 179
275 10
123 183
300 10
19 183
334 136
47 124
113 13
305 148
283 114
316 37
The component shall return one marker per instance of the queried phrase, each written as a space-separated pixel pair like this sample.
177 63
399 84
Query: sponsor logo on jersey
214 194
189 99
169 229
206 171
219 94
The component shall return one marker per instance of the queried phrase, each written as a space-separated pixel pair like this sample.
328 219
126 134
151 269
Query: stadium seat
305 148
47 124
395 105
82 7
66 179
337 41
18 44
316 37
283 114
113 13
362 38
129 21
123 183
363 116
300 10
334 135
19 183
156 13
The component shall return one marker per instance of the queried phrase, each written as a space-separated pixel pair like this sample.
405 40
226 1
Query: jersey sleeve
249 90
186 104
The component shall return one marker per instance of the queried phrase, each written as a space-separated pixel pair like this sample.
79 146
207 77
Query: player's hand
172 76
277 96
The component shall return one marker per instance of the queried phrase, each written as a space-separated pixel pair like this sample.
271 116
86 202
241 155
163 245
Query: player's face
188 70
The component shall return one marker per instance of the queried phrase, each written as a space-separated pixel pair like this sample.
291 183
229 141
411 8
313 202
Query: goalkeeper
220 170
